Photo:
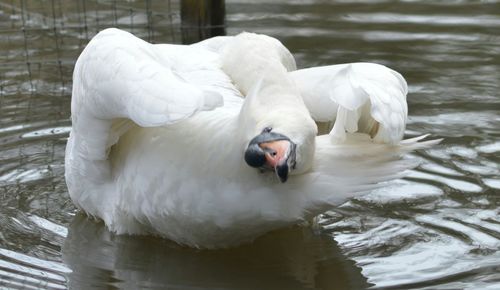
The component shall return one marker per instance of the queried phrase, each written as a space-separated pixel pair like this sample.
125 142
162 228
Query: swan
214 144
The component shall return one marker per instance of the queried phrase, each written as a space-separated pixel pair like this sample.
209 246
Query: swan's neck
257 70
249 56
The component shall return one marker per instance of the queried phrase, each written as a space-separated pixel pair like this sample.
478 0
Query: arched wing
358 97
120 80
119 75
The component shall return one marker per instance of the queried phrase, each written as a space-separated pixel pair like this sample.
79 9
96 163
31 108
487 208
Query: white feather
358 97
147 153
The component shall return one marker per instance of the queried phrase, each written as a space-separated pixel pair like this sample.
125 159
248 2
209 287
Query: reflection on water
439 228
293 258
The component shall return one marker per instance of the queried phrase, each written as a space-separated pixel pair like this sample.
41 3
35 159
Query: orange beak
276 152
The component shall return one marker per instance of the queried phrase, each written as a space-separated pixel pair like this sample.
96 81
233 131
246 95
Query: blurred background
439 228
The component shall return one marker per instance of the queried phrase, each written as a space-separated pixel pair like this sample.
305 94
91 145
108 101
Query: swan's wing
358 97
120 78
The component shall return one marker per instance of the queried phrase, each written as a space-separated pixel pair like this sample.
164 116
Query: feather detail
358 97
359 165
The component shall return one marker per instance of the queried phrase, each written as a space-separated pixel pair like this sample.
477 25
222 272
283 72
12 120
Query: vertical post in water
202 19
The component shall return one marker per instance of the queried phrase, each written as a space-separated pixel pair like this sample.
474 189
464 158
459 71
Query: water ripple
453 183
452 20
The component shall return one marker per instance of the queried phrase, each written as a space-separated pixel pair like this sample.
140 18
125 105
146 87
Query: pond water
438 228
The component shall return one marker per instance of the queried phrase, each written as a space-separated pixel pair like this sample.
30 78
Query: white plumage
160 132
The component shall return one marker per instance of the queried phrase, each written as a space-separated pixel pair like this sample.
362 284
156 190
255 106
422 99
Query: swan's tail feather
353 168
414 144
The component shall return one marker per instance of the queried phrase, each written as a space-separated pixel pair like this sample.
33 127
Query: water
439 228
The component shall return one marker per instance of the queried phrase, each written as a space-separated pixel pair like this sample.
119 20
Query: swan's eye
267 130
270 151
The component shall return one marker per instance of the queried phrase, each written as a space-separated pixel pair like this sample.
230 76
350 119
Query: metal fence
45 37
40 41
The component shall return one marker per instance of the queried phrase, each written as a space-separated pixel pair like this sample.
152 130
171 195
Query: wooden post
202 19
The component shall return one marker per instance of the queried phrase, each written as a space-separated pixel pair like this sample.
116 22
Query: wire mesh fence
45 37
40 41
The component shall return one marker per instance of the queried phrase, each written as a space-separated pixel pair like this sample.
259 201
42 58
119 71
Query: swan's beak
273 151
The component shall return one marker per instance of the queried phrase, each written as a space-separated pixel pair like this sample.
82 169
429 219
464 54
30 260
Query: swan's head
278 129
283 142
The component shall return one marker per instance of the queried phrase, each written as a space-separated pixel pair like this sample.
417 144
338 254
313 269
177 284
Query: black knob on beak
255 156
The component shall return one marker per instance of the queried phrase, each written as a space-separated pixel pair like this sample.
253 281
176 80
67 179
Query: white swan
165 137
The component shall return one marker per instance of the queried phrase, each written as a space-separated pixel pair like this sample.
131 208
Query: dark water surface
439 228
